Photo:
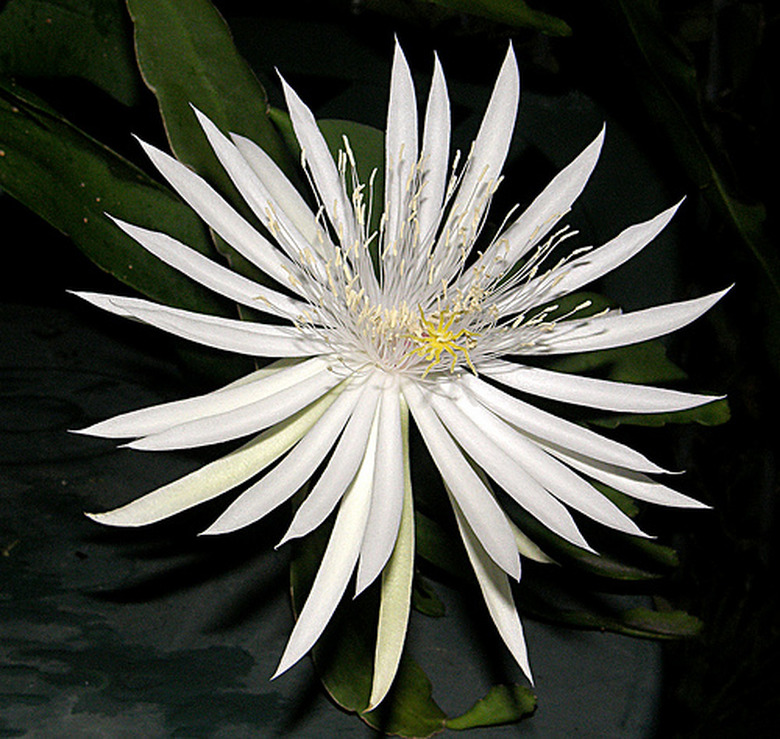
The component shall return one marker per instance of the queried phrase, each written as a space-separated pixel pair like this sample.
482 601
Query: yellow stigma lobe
436 338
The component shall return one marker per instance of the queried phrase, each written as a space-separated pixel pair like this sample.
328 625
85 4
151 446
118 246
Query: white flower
368 325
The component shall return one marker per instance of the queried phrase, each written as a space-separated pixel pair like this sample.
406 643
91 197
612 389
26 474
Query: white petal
400 146
545 211
497 592
620 329
241 337
593 264
216 212
477 424
513 478
282 482
213 275
253 191
493 138
323 168
338 562
607 395
435 154
340 470
476 501
258 385
280 188
635 484
396 595
559 432
388 495
242 420
219 476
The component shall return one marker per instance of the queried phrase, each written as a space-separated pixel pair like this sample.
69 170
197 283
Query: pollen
435 337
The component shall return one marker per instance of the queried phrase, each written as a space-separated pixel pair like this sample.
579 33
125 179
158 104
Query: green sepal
503 704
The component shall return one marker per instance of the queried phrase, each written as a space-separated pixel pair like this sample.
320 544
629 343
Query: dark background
705 69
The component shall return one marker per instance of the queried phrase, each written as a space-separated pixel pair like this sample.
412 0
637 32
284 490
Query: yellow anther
436 338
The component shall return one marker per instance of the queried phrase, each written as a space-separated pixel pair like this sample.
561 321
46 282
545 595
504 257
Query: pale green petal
219 476
396 588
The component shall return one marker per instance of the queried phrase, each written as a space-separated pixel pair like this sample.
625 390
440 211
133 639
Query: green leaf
186 55
503 704
425 600
562 605
516 13
88 39
72 181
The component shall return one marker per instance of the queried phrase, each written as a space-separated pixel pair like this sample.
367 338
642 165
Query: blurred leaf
344 656
668 87
560 605
89 39
438 547
515 13
425 600
71 181
503 704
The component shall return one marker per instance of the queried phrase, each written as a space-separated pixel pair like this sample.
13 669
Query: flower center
435 338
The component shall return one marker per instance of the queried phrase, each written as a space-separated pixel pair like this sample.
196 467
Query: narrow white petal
497 592
435 154
216 212
620 329
287 198
494 136
253 191
513 478
476 501
219 476
213 275
258 385
396 595
388 495
607 395
323 168
340 470
241 337
545 211
338 562
478 426
559 432
242 420
282 482
635 484
400 146
594 264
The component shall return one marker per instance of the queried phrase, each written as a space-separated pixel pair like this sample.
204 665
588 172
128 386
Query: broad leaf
72 181
70 38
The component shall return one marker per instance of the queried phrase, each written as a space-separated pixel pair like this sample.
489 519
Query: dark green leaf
71 181
515 13
503 704
186 55
425 600
89 39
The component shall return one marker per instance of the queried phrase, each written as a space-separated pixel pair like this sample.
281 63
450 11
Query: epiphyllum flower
369 325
